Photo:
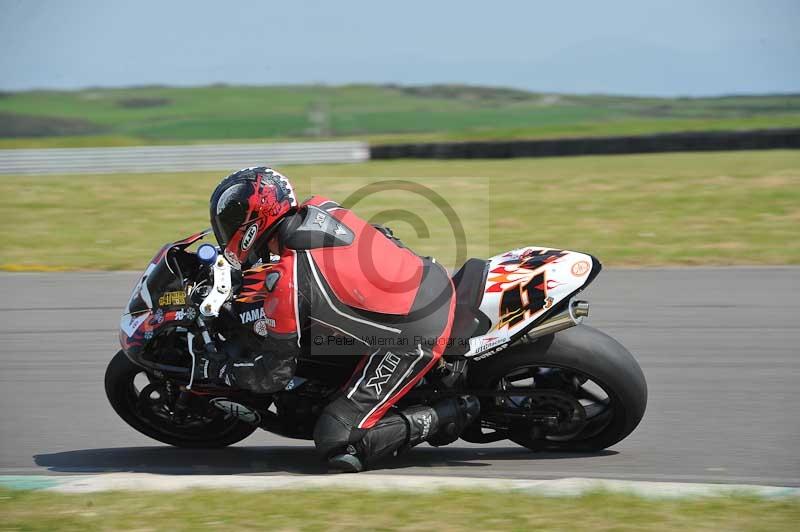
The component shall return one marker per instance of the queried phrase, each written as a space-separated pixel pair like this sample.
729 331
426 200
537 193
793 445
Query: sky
637 47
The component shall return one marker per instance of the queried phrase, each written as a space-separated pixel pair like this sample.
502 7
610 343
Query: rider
338 272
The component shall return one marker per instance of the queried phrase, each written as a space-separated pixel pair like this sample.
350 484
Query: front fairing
159 299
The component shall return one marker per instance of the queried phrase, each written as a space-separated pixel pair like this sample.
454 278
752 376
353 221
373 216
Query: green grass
154 115
675 209
338 510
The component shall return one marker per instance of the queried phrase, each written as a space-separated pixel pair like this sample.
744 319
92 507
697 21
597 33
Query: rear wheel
577 390
145 404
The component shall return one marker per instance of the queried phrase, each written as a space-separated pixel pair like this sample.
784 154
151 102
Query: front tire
124 396
582 351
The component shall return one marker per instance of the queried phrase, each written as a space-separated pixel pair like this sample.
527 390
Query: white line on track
366 481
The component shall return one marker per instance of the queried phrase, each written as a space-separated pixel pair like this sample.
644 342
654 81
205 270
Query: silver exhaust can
575 314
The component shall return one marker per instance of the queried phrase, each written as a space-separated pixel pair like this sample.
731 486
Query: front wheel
145 404
577 390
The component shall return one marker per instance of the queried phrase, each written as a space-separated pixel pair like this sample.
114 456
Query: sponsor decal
319 219
490 353
580 268
260 327
130 323
340 230
254 315
482 344
488 340
190 313
384 372
148 335
159 316
548 302
491 341
424 421
249 236
172 299
236 410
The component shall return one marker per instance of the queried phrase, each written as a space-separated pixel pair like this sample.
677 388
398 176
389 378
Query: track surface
719 348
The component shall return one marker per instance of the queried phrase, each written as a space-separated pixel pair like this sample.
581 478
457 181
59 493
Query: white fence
224 157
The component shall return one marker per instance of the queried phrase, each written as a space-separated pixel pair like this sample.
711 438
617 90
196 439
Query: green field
157 115
343 510
674 209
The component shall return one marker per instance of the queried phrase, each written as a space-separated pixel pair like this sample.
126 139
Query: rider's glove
211 369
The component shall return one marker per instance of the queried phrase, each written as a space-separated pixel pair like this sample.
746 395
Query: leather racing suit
339 274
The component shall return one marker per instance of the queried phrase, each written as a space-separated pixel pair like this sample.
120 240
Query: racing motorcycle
544 380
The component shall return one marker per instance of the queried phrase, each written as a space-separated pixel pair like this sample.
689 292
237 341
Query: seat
468 321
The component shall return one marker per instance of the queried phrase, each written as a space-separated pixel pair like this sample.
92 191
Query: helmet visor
230 212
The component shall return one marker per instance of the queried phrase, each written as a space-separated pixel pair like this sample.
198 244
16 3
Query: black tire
122 395
587 351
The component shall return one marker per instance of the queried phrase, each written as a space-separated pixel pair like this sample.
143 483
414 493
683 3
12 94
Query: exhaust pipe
575 314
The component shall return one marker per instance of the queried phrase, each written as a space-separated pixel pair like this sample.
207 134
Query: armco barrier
665 142
229 157
222 157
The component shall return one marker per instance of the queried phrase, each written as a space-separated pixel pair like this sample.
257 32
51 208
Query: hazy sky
660 47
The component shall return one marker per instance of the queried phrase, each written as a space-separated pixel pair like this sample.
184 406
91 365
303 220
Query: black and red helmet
246 208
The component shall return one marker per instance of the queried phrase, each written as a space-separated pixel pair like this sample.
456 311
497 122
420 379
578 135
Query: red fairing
280 304
372 273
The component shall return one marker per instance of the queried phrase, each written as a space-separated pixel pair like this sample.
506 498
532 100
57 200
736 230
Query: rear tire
591 353
122 394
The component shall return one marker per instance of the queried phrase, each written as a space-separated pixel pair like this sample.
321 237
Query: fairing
158 300
525 285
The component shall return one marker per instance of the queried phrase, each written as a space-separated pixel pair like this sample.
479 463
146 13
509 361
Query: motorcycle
544 379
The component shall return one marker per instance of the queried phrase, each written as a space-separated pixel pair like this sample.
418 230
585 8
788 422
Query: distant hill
378 113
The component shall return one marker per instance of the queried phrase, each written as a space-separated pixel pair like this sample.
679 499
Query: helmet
246 208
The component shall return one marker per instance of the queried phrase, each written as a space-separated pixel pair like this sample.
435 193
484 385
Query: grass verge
328 510
610 128
144 115
668 209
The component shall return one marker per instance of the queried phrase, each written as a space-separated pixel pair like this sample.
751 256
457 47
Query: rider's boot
443 422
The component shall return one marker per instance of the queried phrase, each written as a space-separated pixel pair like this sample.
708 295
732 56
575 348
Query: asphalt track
719 348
